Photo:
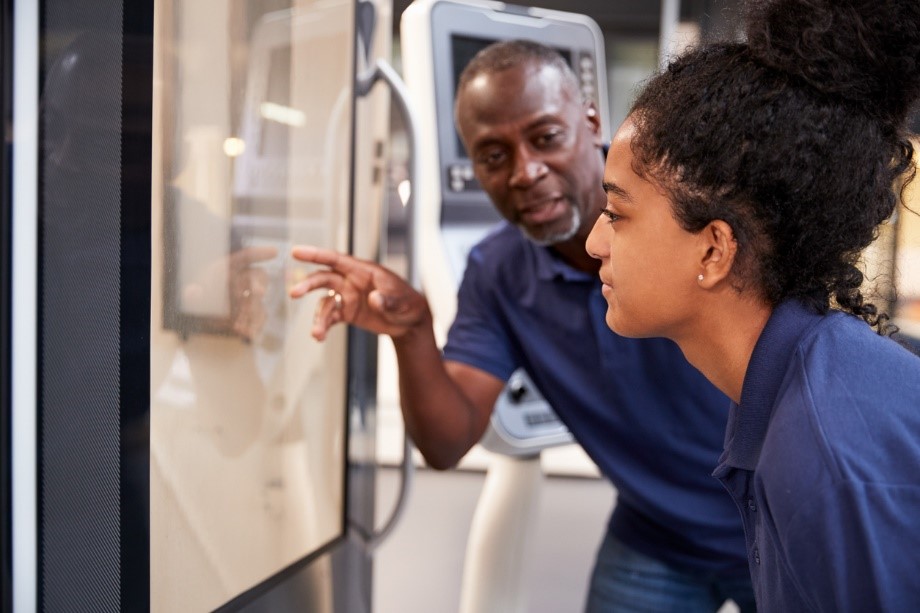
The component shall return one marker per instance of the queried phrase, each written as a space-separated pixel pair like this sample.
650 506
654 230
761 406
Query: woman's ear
719 248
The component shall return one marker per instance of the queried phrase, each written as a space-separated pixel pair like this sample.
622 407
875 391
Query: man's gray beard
559 237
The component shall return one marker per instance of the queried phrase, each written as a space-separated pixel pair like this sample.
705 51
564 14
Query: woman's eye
610 215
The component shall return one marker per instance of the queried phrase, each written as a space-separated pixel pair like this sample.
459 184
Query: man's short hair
506 54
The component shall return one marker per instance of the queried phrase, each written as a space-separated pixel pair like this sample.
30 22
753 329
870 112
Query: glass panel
252 132
907 257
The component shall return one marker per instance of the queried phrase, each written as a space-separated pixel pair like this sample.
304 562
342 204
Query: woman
741 190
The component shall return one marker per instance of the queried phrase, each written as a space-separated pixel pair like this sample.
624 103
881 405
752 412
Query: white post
670 15
24 305
507 509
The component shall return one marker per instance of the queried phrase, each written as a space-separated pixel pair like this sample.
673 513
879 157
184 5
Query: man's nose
527 171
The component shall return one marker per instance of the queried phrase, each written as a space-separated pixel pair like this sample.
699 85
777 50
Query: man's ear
594 120
719 248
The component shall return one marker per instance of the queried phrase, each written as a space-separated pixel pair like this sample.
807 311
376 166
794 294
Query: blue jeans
625 580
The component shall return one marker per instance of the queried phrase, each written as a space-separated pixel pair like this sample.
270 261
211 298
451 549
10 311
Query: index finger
335 260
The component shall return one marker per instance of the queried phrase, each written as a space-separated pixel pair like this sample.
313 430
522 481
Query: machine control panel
523 421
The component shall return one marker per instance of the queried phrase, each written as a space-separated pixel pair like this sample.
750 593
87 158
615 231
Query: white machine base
505 515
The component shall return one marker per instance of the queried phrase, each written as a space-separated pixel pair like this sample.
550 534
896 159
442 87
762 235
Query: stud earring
699 278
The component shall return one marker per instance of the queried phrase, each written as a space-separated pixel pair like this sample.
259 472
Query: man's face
534 148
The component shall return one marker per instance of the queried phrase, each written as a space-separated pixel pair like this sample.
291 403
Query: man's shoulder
503 249
506 263
500 239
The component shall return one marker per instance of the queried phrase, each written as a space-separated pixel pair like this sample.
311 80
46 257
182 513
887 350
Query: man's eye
549 138
491 159
610 215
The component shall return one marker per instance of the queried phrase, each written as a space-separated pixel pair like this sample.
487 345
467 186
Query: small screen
463 48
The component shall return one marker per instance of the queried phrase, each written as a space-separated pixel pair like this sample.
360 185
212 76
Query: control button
586 73
458 176
517 390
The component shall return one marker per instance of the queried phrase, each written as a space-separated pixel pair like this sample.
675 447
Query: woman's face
649 264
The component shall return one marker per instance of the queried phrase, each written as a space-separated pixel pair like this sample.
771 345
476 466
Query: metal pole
670 15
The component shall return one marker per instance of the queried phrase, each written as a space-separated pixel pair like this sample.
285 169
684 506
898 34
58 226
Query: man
530 297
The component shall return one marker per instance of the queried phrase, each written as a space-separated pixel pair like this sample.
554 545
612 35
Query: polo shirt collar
550 266
773 351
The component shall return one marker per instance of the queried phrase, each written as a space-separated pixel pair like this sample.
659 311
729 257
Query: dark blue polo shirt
650 421
823 459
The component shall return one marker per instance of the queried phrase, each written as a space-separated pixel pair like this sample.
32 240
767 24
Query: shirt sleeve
855 547
479 335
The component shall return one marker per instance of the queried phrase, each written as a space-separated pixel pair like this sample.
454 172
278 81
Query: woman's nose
594 245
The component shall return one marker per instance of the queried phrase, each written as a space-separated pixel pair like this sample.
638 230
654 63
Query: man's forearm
439 417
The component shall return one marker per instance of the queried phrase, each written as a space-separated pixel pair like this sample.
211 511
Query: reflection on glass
252 126
907 260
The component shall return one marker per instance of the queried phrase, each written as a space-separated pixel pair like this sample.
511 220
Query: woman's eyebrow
616 190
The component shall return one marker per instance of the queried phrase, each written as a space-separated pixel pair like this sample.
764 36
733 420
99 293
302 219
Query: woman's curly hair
796 138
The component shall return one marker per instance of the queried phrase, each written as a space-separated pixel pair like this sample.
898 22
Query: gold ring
336 297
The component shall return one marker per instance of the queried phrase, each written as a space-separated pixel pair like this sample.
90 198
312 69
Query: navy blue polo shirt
823 459
649 420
